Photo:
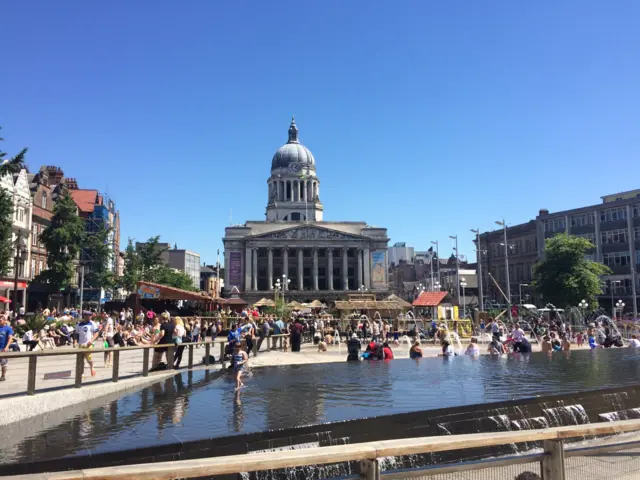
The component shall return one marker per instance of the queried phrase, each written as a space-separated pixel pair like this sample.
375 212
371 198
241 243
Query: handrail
53 353
171 350
334 454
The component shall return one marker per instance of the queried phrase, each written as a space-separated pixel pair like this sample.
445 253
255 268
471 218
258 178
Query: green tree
62 239
8 166
174 278
150 259
98 255
565 277
131 273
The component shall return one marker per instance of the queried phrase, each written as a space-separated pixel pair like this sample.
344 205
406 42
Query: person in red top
388 354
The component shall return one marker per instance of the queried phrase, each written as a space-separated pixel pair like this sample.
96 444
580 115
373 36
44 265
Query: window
44 200
590 256
40 269
616 259
613 214
582 219
635 208
554 225
588 236
33 268
637 233
20 214
34 234
615 236
637 257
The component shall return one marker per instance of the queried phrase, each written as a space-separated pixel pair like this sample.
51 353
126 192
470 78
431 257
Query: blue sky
429 118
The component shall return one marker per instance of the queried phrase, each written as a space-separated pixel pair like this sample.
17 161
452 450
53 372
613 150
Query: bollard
190 356
207 353
31 381
145 362
116 366
221 357
370 469
79 368
171 351
553 463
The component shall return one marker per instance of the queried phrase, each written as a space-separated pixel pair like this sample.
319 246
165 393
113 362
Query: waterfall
566 415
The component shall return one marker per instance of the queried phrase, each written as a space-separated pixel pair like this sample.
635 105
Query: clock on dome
295 167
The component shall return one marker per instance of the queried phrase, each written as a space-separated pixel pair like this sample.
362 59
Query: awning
429 299
367 305
265 302
156 291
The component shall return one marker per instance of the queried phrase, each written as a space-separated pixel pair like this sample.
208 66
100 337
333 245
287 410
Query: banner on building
235 268
378 269
147 291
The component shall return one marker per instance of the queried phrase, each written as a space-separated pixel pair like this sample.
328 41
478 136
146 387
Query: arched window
44 200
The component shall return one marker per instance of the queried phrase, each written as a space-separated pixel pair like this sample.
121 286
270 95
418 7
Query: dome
292 152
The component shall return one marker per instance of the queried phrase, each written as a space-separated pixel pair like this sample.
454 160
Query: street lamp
463 284
362 288
520 291
479 260
583 305
620 306
613 307
455 237
21 254
503 224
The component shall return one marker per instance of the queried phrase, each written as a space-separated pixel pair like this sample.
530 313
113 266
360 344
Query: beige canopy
265 302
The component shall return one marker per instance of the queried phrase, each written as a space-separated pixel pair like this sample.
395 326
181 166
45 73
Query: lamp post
438 257
17 261
613 307
620 306
455 237
463 284
583 305
520 285
506 264
479 260
81 269
362 288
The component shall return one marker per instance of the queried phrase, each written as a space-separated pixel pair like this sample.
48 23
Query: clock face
295 167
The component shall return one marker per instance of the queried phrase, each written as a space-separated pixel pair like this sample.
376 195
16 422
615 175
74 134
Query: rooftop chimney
72 183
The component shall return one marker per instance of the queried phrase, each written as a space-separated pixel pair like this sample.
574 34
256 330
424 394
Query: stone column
359 273
254 269
329 268
300 269
285 267
367 268
270 268
345 268
247 269
296 191
304 190
315 269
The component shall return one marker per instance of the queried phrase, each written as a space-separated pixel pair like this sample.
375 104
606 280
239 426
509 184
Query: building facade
613 227
17 186
400 253
311 258
187 262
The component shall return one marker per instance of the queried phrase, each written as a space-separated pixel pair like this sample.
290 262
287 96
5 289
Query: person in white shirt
108 338
473 348
517 334
88 332
634 342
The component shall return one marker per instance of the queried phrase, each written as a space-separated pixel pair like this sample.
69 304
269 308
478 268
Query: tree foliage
62 239
97 254
131 273
8 166
565 277
146 263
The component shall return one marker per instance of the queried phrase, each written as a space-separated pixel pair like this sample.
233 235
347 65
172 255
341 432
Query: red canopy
429 299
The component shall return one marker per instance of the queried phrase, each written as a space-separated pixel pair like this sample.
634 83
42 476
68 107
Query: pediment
308 233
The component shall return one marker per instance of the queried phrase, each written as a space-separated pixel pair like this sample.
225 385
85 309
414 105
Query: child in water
240 358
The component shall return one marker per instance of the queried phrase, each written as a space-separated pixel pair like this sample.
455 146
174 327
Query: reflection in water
199 404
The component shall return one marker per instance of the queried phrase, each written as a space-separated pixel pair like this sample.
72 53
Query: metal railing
80 354
552 461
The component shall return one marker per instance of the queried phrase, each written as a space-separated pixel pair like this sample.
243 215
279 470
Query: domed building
294 248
